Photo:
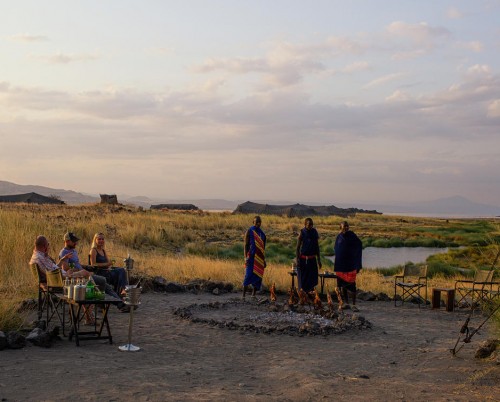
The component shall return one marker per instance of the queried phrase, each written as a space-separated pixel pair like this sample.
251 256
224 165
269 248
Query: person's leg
345 295
122 281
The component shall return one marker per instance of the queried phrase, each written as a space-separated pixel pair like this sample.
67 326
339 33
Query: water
376 257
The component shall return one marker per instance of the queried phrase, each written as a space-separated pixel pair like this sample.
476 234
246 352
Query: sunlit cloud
494 108
454 13
384 80
65 58
26 37
473 46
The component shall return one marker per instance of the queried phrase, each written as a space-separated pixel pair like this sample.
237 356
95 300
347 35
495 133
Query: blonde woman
98 258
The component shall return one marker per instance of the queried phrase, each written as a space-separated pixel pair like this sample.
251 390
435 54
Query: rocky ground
388 354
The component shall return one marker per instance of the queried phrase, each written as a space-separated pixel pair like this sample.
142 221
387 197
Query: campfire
306 315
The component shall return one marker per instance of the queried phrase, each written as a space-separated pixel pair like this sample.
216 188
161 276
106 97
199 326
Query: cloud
453 13
494 108
473 46
65 58
385 79
421 33
410 41
27 38
286 64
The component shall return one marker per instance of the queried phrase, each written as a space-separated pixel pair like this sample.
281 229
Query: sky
323 100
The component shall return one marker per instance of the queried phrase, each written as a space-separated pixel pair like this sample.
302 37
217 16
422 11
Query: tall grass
183 246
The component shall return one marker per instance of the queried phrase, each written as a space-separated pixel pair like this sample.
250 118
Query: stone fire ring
272 318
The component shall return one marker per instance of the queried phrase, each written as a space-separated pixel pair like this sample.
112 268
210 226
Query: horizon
395 208
372 103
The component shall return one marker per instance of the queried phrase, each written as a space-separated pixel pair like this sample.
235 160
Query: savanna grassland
182 246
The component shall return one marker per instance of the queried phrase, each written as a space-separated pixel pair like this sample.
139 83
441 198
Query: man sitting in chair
45 263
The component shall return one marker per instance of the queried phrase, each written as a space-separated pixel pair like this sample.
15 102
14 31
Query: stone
160 284
487 348
15 340
366 296
42 324
40 337
383 297
216 291
3 341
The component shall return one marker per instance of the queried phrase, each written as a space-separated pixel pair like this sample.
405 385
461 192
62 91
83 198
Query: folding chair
411 282
472 292
42 289
55 304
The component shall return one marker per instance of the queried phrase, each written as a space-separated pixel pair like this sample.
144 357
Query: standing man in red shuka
348 256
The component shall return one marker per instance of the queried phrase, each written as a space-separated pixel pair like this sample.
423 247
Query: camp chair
55 304
411 282
42 289
473 292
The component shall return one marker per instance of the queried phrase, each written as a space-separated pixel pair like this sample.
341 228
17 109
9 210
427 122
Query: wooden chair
473 292
412 282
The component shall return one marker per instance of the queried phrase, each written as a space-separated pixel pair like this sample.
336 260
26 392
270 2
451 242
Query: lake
376 257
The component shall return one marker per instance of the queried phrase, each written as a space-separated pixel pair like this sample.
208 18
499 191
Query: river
377 257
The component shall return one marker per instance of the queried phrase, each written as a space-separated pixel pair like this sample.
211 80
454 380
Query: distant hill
29 198
298 210
68 196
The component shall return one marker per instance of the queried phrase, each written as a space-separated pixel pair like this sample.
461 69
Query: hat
71 236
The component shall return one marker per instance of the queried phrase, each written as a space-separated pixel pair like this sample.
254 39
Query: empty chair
413 282
473 292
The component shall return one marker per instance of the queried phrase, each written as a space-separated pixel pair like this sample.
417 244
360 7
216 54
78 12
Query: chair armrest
463 281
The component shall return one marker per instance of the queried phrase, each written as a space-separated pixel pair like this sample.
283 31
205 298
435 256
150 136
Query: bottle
71 289
66 287
89 290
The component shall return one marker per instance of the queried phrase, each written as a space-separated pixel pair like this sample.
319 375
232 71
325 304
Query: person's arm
246 244
319 255
299 244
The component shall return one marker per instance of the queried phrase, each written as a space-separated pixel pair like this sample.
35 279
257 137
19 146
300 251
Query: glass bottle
90 290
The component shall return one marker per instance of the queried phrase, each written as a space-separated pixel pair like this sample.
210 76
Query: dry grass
159 242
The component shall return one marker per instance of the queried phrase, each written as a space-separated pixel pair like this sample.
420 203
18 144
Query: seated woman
116 277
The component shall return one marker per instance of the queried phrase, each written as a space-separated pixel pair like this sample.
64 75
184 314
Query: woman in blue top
116 277
308 257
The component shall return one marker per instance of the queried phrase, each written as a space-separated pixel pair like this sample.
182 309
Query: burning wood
273 292
317 301
339 297
330 301
303 298
293 297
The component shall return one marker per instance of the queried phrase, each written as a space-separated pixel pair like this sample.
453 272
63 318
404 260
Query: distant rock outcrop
30 198
109 199
298 210
181 207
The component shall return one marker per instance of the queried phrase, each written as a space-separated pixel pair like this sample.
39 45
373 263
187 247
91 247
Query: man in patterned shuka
255 260
348 256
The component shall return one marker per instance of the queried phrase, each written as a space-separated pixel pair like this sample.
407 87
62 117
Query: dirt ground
405 356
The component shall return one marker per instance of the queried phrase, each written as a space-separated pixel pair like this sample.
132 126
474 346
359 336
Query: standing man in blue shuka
255 258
